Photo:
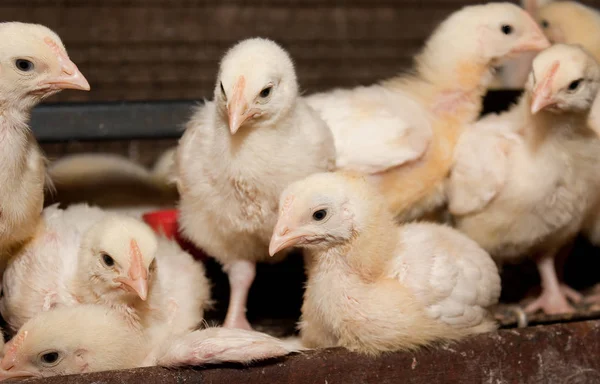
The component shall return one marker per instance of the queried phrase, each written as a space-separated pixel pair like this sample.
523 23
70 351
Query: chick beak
7 375
542 95
284 238
137 280
237 108
69 78
533 40
10 359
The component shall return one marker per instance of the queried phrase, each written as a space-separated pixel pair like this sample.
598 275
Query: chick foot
241 274
552 303
553 299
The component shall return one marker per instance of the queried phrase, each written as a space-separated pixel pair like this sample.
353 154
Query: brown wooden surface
564 353
169 49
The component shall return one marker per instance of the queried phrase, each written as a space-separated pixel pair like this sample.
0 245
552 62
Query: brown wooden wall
169 49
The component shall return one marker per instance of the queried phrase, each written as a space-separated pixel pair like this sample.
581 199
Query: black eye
507 29
575 84
265 92
545 24
50 357
320 214
24 65
108 261
223 90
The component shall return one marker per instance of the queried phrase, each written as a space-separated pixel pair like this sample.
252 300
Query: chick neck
15 140
449 79
370 247
546 125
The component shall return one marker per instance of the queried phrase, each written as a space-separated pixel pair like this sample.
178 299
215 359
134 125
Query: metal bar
562 353
146 120
110 121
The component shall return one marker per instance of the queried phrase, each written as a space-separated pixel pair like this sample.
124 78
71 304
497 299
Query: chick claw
553 303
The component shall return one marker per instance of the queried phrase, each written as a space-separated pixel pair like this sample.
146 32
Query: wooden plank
563 353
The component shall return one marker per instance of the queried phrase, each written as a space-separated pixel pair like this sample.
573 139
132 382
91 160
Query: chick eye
320 214
545 24
24 65
49 357
507 29
575 84
265 92
223 91
107 260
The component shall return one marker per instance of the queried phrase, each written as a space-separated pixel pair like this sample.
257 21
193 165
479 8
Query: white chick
526 189
84 255
373 286
91 338
238 154
403 131
33 65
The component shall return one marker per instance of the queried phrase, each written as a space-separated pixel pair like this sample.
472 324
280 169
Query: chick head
256 83
70 340
489 33
323 210
117 258
34 64
564 78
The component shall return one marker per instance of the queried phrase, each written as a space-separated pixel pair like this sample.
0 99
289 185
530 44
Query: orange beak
237 108
11 360
542 95
283 237
70 77
137 280
533 39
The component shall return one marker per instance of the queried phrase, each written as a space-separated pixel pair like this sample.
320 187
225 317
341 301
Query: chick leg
241 275
553 298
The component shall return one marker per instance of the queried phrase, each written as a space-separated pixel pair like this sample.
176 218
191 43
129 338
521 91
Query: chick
375 287
112 182
91 338
33 65
238 154
570 22
84 255
526 189
403 131
566 22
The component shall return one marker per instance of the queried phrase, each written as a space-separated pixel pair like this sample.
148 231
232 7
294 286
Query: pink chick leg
553 299
241 275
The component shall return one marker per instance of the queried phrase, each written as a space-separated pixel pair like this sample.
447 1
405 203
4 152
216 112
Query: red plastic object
165 222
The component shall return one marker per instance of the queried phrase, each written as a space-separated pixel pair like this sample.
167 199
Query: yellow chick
375 287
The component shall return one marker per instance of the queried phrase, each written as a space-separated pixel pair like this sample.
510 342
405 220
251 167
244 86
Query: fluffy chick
33 65
84 255
403 131
376 287
238 154
526 188
91 338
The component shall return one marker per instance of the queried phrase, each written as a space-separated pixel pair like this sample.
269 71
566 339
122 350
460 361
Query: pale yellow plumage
373 286
411 123
528 188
